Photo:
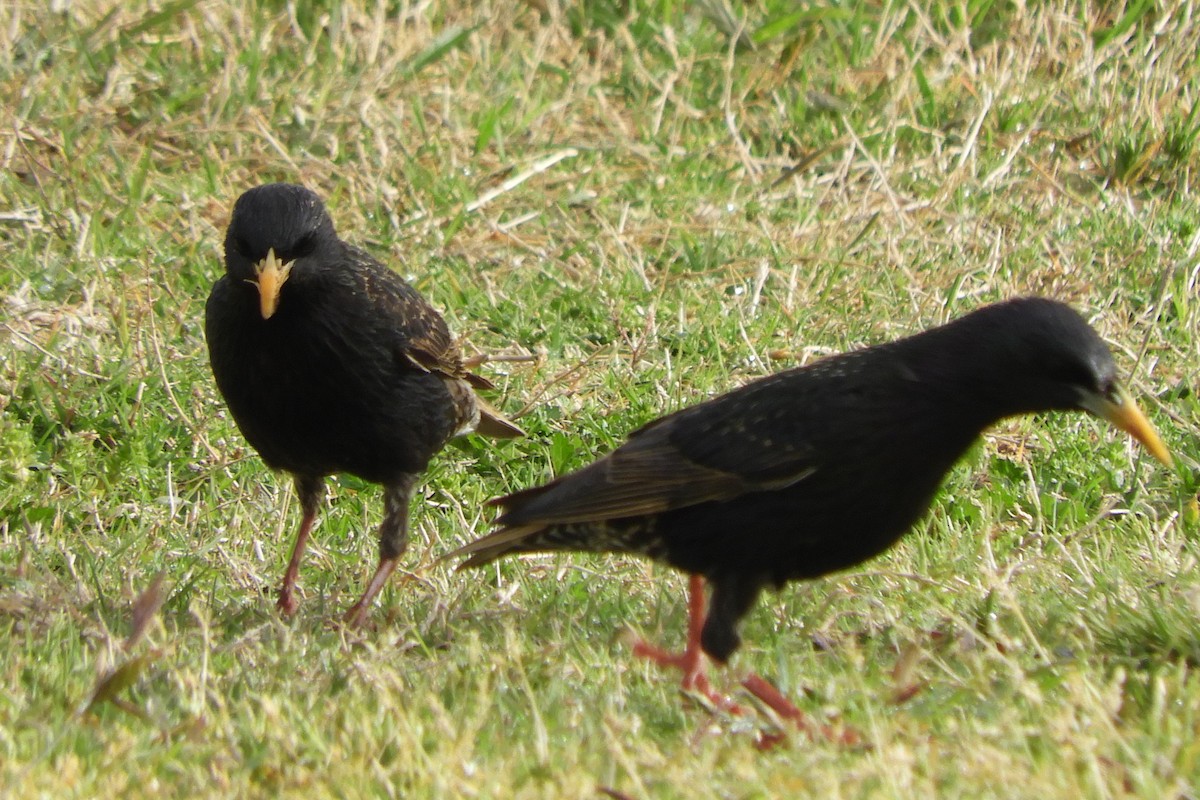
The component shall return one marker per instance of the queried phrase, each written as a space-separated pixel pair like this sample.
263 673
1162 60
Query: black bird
814 469
331 363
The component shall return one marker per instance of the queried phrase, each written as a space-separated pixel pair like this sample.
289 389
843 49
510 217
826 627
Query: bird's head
1042 355
275 233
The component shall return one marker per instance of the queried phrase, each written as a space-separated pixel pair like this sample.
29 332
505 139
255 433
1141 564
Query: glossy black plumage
330 362
818 468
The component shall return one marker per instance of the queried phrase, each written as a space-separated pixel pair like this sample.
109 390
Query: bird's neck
975 383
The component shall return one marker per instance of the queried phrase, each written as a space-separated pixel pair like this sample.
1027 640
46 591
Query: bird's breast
316 401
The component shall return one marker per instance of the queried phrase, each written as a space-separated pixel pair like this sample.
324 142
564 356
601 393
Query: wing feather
649 474
421 339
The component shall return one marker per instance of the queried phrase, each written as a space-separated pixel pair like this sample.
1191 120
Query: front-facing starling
818 468
331 363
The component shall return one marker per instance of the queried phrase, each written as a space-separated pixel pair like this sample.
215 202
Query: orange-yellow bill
269 276
1120 409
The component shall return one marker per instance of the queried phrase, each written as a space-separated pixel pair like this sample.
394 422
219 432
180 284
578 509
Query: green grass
846 175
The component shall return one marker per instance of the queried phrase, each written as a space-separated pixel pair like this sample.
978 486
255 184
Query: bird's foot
309 490
695 680
287 603
356 615
690 661
787 712
773 699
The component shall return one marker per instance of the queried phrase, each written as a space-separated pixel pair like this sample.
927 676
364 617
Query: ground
632 206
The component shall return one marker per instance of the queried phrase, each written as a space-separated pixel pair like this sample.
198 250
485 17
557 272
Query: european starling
814 469
331 363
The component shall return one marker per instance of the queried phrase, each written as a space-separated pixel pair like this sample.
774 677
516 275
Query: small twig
879 171
264 130
480 359
21 215
162 371
807 161
531 402
760 279
516 180
62 362
973 134
636 263
731 119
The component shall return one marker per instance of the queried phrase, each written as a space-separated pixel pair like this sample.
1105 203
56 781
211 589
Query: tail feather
530 521
488 548
513 502
509 538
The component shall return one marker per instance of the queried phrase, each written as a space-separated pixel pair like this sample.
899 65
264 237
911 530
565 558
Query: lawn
632 206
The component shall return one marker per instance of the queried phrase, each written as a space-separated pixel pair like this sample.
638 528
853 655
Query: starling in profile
814 469
331 363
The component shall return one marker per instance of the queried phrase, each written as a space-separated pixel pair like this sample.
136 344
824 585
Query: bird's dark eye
242 246
1112 392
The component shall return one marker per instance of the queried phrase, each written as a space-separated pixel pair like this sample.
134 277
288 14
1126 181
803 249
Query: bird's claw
787 712
356 615
287 603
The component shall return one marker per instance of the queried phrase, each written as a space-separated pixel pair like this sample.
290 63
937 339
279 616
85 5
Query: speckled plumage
352 371
818 468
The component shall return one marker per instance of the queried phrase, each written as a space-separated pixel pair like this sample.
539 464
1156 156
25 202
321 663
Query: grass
738 189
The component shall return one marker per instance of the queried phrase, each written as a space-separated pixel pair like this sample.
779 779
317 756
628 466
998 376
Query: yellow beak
269 276
1122 411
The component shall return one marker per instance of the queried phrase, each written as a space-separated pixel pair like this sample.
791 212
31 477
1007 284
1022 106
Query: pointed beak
1120 409
269 276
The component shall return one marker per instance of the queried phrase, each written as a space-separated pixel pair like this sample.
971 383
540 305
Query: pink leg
393 539
774 699
287 601
357 614
309 489
691 660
